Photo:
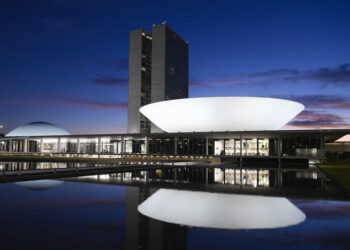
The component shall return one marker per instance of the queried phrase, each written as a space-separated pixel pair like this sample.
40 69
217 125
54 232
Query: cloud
65 101
319 117
111 81
95 104
213 83
320 101
339 75
313 119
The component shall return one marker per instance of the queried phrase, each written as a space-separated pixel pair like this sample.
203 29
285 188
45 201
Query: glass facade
303 146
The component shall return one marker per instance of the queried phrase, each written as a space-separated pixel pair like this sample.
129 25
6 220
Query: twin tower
158 71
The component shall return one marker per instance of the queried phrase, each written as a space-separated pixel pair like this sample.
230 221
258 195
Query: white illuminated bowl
225 211
206 114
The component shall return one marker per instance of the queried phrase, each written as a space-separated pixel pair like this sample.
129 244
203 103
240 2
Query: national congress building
163 121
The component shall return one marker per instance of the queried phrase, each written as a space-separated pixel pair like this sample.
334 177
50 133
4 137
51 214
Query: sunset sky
66 62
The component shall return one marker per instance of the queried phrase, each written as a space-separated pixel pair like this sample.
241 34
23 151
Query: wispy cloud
321 101
213 83
313 119
95 104
111 81
56 101
339 75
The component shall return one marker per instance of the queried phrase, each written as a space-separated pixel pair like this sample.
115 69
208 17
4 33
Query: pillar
175 175
25 148
78 145
207 146
59 145
224 175
240 153
279 151
234 146
10 146
240 142
99 147
175 145
322 143
147 145
234 176
257 146
41 145
206 176
123 145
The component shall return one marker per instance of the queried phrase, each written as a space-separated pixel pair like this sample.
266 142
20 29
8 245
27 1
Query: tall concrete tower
158 71
169 66
140 56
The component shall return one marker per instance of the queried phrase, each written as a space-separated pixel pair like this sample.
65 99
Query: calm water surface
99 212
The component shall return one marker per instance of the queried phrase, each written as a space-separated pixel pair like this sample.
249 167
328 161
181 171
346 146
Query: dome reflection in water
39 184
224 211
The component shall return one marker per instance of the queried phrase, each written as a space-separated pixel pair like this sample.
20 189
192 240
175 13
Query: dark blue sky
66 61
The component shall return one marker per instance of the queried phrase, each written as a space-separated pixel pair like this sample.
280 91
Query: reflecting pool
101 211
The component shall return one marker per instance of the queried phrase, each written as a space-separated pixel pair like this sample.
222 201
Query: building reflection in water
145 233
310 179
218 210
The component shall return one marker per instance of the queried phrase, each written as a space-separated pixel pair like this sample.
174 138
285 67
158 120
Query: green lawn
340 170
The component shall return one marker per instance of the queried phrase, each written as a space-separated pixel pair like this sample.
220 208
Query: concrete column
234 146
175 145
241 177
240 153
224 146
224 175
78 145
257 178
99 147
147 145
322 146
257 146
25 148
206 176
279 151
206 145
59 145
123 145
41 145
175 175
10 146
241 144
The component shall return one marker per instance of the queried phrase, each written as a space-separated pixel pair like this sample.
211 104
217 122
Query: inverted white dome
206 114
225 211
37 129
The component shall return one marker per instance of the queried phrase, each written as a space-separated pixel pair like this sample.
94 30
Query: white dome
37 129
204 114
